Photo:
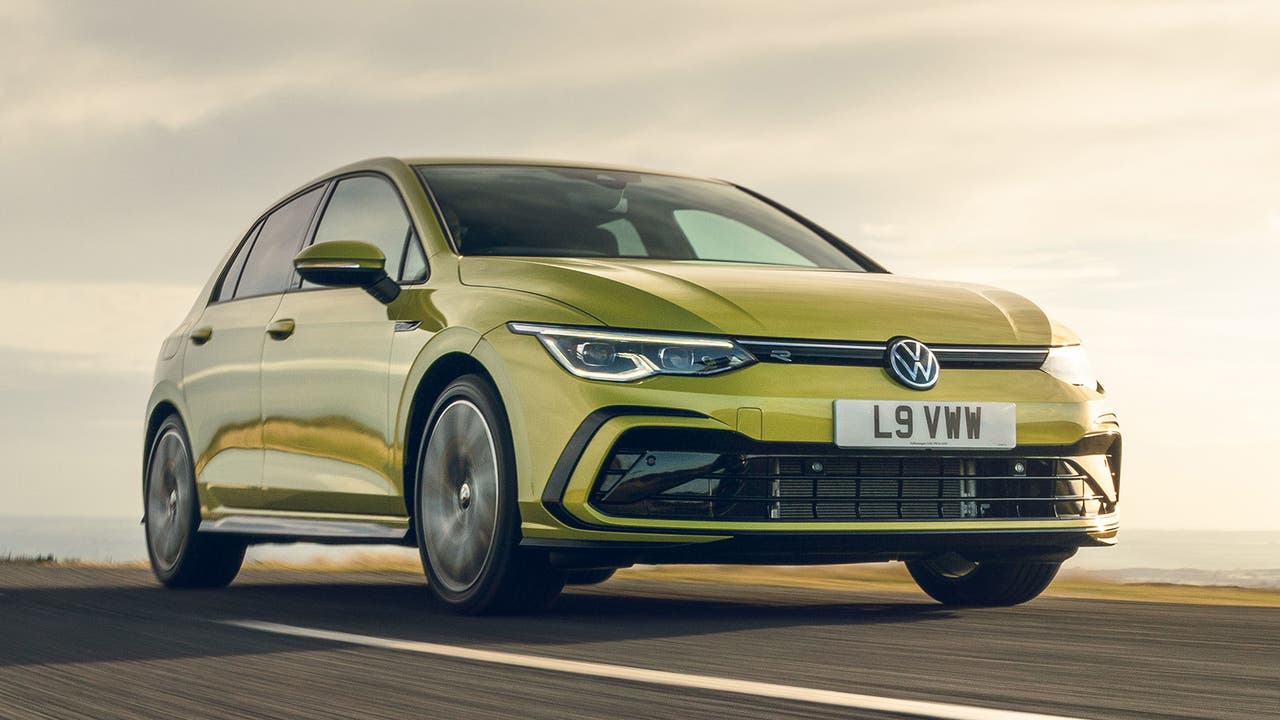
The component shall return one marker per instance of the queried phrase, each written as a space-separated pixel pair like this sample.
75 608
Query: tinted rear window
270 266
229 281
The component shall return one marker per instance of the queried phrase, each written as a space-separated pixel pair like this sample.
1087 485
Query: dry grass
884 577
371 561
894 578
11 559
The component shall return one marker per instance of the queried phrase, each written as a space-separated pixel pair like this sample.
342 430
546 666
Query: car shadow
136 622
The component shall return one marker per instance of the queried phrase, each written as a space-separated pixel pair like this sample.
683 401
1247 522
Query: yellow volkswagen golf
540 372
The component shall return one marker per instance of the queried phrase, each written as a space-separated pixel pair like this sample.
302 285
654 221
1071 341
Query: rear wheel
468 523
953 580
180 556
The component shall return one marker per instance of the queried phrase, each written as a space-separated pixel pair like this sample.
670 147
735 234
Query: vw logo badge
911 363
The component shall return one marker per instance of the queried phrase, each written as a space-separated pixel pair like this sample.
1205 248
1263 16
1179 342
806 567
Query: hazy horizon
1230 558
1116 163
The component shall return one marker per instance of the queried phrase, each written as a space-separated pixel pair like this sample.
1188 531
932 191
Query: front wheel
467 520
953 580
180 556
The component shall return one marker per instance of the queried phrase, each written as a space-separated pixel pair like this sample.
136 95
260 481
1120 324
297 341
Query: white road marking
918 708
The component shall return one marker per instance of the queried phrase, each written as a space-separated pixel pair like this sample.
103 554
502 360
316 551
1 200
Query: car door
222 369
326 365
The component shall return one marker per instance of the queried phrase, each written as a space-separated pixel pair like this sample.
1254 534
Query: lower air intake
757 484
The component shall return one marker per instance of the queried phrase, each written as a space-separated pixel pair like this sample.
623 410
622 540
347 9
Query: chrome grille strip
869 354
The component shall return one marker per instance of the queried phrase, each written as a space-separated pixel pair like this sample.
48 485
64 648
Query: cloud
1109 160
79 327
881 230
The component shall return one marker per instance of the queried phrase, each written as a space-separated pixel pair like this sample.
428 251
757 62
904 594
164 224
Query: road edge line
834 698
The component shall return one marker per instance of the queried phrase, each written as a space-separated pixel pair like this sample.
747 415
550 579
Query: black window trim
435 209
308 236
253 235
854 254
414 232
244 246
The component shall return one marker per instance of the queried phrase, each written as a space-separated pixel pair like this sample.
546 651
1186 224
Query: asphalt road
109 643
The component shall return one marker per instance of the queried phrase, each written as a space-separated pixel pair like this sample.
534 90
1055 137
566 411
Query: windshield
572 212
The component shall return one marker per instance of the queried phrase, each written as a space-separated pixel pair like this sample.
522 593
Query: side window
415 262
716 237
229 281
368 209
269 269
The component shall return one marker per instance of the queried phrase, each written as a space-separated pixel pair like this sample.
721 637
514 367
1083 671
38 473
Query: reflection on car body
538 373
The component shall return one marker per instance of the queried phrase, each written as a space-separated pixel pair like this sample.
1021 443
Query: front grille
843 486
872 354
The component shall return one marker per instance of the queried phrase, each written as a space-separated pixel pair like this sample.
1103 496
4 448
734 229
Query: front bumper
773 408
721 477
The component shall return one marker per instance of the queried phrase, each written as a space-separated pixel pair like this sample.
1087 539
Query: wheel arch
444 358
443 371
163 403
458 350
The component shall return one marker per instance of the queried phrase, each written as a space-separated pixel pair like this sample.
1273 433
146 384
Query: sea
1190 557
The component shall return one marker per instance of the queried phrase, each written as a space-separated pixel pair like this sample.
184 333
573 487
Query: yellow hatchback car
540 372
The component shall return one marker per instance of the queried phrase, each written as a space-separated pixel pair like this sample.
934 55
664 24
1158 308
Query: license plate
913 423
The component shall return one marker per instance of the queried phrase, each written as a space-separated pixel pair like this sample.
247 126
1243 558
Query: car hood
769 301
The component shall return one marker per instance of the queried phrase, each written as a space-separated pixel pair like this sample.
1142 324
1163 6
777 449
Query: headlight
620 356
1071 365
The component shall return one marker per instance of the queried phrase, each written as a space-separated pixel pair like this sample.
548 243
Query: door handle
201 335
281 329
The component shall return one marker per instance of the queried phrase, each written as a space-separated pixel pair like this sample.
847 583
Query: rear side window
415 262
227 289
368 209
269 269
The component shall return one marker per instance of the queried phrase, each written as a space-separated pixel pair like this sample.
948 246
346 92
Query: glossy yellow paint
326 408
795 405
316 423
770 301
353 254
220 376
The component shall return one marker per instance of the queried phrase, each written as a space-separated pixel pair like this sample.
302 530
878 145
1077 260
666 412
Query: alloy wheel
458 495
169 499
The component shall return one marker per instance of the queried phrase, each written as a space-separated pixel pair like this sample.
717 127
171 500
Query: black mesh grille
842 486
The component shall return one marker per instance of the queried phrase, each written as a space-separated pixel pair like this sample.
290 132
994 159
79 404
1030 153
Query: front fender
412 357
469 315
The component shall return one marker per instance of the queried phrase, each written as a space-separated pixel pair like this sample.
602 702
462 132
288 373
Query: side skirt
263 529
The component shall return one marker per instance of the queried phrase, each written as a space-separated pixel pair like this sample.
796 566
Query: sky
1118 163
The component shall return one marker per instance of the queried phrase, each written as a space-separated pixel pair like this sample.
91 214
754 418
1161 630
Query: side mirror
347 263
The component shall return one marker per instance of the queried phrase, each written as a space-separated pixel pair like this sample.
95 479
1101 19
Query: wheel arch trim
165 400
447 356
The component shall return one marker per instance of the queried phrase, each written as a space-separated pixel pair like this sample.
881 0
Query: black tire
595 576
952 580
466 515
180 556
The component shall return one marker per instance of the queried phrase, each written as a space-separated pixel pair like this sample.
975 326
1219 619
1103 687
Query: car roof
381 163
